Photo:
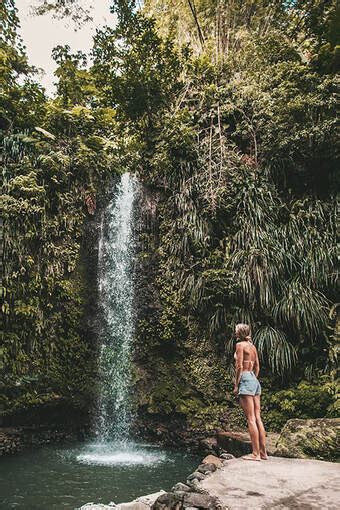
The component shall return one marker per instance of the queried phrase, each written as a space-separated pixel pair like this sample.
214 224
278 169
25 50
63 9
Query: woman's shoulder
241 344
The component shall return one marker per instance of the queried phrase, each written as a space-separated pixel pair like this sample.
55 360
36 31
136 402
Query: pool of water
68 476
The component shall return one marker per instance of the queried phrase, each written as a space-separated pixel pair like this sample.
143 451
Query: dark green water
68 476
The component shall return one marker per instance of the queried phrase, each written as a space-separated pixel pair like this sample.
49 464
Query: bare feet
264 455
251 456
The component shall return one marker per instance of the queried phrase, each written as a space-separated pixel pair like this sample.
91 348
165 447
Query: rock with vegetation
303 439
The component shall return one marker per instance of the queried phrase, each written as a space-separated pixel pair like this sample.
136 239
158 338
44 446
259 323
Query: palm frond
274 347
303 308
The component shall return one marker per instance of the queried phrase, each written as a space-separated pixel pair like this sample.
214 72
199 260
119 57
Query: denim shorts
249 384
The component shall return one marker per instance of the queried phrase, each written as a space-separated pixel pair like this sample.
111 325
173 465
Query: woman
248 388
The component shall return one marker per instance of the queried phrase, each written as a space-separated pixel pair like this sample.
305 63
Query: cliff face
146 233
182 384
183 374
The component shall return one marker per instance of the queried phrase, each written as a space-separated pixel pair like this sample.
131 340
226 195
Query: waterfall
116 293
114 446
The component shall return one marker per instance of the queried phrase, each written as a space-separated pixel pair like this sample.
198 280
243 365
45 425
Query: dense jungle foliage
226 110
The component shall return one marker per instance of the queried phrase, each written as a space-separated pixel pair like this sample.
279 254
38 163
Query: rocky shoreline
305 439
16 439
183 495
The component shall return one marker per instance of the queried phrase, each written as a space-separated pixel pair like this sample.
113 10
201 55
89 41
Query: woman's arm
257 365
239 365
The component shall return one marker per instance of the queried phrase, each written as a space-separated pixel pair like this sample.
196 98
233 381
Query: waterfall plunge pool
70 475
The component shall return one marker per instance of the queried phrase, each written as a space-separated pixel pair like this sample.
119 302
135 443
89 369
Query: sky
42 33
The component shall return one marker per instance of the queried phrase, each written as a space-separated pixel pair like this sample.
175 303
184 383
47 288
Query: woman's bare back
249 356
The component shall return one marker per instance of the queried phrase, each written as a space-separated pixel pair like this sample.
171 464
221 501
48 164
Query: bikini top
247 361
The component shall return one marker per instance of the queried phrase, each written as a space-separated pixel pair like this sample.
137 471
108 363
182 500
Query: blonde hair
243 331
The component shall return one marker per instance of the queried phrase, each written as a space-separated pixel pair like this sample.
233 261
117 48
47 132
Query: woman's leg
247 404
260 427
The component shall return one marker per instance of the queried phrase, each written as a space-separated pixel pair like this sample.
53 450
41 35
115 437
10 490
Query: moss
61 362
304 400
185 380
316 438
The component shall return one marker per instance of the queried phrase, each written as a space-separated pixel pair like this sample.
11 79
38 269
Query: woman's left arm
257 365
239 366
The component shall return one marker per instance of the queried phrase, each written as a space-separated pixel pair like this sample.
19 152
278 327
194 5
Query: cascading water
114 445
116 292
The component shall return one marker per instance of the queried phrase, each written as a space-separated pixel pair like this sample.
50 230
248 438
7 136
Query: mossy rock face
305 439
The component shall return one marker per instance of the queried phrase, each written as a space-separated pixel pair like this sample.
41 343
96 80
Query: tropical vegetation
226 111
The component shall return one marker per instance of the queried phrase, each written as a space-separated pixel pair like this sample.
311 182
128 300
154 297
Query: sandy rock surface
279 483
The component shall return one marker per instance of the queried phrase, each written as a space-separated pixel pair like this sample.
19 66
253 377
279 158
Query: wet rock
212 459
180 487
161 430
227 456
206 468
194 499
168 501
310 438
196 475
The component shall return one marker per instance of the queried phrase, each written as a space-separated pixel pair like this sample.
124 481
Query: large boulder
237 442
318 438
